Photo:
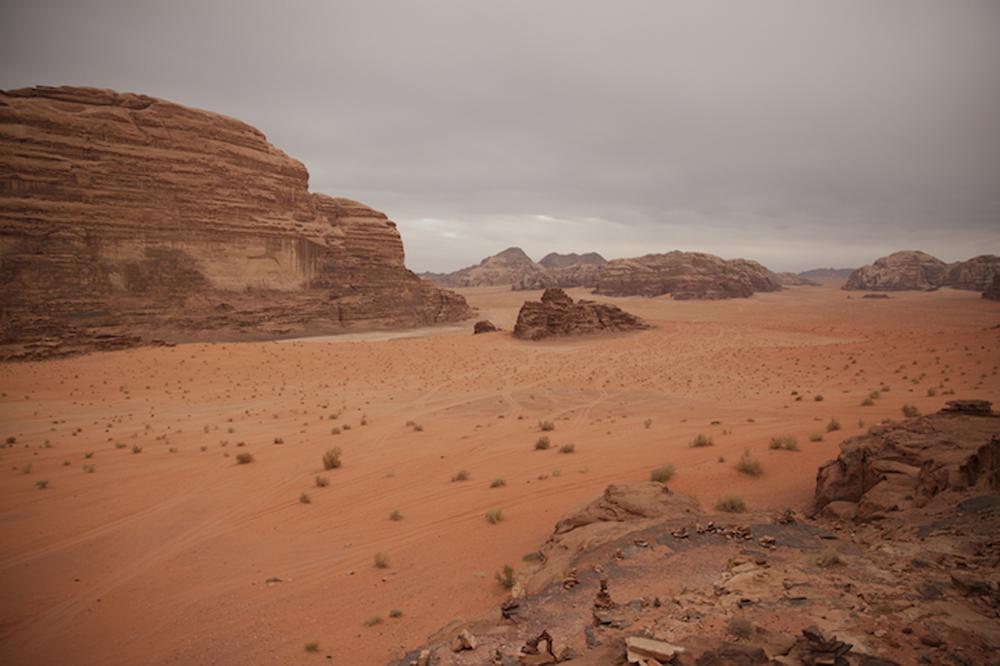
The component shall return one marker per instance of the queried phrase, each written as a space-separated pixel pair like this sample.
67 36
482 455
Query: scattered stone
464 641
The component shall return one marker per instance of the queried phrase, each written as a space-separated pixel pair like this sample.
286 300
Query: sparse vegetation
395 613
749 465
279 440
373 620
494 516
395 515
546 426
701 441
816 437
461 475
731 504
567 448
305 499
89 469
662 474
783 442
828 558
381 561
818 398
542 443
647 423
88 454
41 485
136 448
331 458
312 647
498 483
833 425
244 458
322 482
910 411
533 556
506 579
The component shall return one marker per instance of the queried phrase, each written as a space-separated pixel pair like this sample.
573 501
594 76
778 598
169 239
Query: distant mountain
685 275
915 270
514 267
836 276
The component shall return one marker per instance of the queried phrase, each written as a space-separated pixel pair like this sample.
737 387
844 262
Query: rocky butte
557 315
915 270
685 275
125 217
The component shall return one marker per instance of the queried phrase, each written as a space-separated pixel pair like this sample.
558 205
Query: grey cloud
799 133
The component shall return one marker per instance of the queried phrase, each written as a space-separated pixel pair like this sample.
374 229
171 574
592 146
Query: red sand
161 557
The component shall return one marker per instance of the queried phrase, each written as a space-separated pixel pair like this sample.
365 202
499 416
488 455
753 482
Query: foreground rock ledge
557 315
125 218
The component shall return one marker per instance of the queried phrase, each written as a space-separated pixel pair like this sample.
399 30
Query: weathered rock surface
993 291
484 326
685 275
896 466
554 260
122 213
830 276
793 280
564 271
913 270
557 315
507 267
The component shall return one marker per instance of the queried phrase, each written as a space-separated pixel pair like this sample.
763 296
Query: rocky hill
685 275
554 260
504 268
557 315
643 575
993 291
125 218
915 270
836 276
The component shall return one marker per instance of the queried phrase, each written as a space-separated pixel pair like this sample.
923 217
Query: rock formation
993 291
564 271
557 315
685 275
125 217
793 280
837 276
484 326
505 268
906 464
974 274
912 270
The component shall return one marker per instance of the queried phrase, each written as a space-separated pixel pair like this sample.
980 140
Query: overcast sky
798 133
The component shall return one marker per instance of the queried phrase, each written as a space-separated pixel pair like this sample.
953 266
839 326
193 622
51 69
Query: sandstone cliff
685 275
913 270
564 271
557 315
124 217
507 267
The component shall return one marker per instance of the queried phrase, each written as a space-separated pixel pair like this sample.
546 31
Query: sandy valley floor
151 545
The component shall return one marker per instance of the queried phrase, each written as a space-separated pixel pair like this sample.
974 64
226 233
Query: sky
800 133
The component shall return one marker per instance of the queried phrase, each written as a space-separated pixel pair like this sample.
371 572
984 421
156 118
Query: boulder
484 326
556 314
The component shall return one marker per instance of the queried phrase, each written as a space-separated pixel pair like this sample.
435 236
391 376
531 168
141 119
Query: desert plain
132 534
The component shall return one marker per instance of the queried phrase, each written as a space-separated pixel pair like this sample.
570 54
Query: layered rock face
126 214
897 466
557 315
564 271
993 291
685 275
554 260
913 270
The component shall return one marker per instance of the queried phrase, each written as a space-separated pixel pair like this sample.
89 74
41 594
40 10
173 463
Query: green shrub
312 647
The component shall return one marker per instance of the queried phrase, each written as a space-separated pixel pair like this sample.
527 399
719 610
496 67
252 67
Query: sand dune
161 556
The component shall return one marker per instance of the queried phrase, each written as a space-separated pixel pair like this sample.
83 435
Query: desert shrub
305 499
542 443
395 515
833 425
533 556
647 423
89 469
818 398
816 437
41 485
120 445
931 392
786 442
731 504
322 482
347 426
701 440
494 516
26 469
88 454
910 411
312 647
567 448
136 448
418 428
749 465
335 431
244 458
11 440
331 458
279 440
498 483
381 561
461 475
662 474
546 426
867 402
373 620
506 579
395 613
203 448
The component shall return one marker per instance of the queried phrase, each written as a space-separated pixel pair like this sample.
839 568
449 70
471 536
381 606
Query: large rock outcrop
564 271
827 276
993 291
913 270
685 275
906 464
125 216
557 315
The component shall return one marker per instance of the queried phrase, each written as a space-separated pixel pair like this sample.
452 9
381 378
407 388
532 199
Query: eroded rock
556 314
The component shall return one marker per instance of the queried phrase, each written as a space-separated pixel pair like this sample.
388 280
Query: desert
151 543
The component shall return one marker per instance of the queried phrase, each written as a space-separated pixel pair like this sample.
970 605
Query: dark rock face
906 464
125 212
484 326
912 270
685 275
993 291
557 315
